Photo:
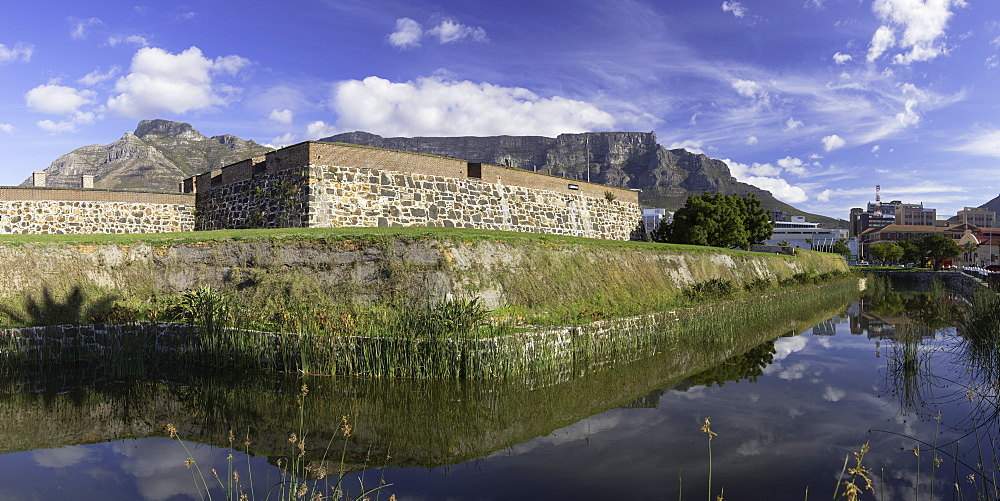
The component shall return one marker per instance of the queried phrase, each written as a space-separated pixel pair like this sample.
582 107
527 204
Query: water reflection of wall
425 422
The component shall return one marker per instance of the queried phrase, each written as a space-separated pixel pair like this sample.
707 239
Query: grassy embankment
401 283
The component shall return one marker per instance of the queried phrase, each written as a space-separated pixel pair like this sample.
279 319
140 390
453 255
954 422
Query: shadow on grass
76 307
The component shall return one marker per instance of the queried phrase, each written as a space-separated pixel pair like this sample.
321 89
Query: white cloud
983 143
833 394
760 175
62 457
319 130
408 33
752 141
449 31
6 128
995 43
992 62
284 140
57 99
69 125
793 165
748 88
437 106
833 142
736 8
876 148
128 39
783 347
794 371
841 58
688 144
824 196
160 81
80 27
19 52
95 77
882 40
792 124
922 24
281 116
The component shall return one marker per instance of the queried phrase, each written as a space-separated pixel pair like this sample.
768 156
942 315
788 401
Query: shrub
716 288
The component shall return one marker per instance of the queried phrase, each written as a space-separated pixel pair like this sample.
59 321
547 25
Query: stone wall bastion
316 184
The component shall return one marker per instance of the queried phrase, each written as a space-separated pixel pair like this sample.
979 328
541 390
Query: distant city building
798 233
911 214
976 216
652 218
778 215
861 221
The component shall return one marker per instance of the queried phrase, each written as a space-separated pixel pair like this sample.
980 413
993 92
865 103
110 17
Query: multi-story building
861 221
976 216
911 214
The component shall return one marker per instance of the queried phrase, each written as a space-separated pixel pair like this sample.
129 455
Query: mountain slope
631 160
157 156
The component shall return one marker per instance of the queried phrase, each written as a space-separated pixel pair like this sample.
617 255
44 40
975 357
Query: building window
475 170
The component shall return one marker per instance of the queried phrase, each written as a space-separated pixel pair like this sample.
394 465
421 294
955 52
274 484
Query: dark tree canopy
719 221
886 252
933 248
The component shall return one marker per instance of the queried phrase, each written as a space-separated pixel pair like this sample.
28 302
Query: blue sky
815 100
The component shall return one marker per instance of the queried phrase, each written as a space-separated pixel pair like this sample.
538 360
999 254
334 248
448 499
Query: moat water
890 370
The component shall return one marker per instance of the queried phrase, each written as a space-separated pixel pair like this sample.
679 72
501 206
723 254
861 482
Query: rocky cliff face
632 160
157 156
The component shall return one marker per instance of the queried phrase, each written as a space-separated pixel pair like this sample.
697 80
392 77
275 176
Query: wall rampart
333 185
60 211
347 196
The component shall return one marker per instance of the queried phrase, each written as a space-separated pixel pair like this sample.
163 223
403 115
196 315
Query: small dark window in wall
475 170
574 187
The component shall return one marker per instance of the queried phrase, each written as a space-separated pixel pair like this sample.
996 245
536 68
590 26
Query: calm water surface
787 413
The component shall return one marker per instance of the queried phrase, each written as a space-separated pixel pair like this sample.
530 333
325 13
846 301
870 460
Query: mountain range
160 153
631 160
155 157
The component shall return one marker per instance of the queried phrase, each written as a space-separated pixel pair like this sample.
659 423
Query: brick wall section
56 211
74 195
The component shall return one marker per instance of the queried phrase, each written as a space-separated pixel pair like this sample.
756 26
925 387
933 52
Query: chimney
38 179
86 181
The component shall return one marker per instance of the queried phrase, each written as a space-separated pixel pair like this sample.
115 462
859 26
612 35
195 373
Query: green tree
912 253
840 247
885 252
937 247
720 221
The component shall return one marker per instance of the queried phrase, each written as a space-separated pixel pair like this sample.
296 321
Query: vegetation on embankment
280 273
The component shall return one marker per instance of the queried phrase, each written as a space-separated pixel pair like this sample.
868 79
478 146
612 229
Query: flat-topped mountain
633 160
156 156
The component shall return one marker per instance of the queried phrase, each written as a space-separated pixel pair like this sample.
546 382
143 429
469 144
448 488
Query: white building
799 233
651 218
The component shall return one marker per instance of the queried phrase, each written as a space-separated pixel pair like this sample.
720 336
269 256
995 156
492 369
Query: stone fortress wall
316 184
42 210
